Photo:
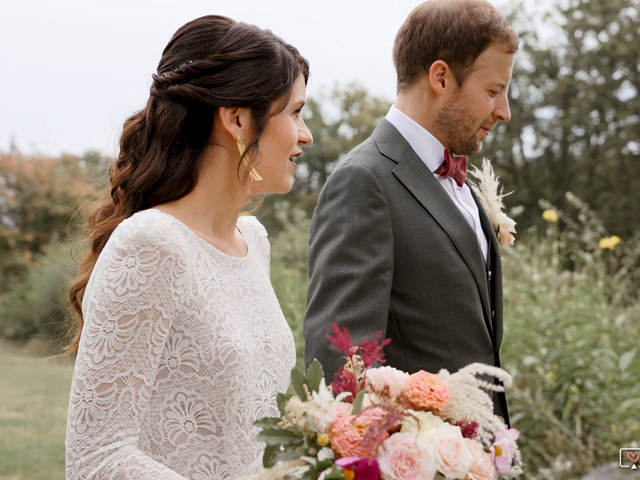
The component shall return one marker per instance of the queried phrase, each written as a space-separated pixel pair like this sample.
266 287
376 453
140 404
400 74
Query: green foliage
37 304
39 198
578 234
309 381
570 344
289 270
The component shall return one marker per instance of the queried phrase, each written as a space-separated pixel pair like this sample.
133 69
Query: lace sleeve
128 307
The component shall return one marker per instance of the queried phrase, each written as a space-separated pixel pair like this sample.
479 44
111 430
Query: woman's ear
235 121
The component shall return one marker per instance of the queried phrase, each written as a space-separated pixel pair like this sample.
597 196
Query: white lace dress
183 347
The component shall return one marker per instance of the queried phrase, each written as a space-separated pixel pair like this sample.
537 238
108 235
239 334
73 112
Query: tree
39 198
576 115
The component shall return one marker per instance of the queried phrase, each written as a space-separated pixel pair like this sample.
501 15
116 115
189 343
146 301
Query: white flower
420 423
387 381
325 453
322 409
453 456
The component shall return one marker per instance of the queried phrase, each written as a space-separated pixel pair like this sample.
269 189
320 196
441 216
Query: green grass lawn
34 394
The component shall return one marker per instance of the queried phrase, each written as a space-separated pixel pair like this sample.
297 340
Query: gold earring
255 176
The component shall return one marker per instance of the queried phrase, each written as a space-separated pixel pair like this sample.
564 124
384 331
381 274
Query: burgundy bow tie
454 166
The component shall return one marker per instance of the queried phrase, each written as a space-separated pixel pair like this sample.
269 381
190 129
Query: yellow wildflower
550 215
323 439
609 242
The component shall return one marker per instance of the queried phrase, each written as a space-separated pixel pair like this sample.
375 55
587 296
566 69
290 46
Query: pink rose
451 451
402 456
387 381
482 467
425 391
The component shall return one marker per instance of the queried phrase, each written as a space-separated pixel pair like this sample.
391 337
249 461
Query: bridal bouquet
382 423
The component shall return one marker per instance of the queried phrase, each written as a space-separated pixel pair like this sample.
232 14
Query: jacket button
493 314
489 275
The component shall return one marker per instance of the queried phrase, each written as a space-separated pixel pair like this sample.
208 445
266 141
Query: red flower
468 428
341 339
351 376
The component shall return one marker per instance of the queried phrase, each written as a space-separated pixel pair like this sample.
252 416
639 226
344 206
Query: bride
181 343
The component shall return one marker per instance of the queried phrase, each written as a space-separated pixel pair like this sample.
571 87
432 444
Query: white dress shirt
431 152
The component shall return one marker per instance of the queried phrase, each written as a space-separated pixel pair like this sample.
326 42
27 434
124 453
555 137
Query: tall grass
572 319
34 394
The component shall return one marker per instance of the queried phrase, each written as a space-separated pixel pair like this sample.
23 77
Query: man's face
471 111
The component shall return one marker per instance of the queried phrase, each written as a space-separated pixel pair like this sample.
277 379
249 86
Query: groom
398 241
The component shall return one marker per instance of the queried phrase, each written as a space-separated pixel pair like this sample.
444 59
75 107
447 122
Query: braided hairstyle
210 62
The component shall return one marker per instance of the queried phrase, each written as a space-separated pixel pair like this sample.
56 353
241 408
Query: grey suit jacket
390 251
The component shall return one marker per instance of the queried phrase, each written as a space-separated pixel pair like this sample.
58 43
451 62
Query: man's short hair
455 31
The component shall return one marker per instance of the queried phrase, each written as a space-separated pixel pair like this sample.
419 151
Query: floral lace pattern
183 348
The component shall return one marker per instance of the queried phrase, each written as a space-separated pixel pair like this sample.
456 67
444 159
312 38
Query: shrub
37 304
289 269
570 343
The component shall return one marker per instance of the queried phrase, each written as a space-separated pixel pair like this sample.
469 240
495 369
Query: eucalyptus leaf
298 381
315 373
269 457
310 474
286 454
279 436
267 422
282 399
336 473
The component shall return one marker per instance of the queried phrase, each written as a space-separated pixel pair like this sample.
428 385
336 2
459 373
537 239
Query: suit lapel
492 239
415 176
496 268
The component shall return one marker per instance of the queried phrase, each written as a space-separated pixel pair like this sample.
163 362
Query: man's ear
236 121
441 77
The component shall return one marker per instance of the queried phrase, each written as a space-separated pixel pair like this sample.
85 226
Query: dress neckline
208 245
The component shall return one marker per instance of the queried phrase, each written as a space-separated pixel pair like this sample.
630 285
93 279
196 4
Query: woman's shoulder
255 234
250 224
148 227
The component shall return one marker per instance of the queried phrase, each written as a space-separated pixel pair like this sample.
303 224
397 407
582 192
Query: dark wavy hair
456 31
210 62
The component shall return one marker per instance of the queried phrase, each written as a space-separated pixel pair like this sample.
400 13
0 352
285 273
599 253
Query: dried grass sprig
487 188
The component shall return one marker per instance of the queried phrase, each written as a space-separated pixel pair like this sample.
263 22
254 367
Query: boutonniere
489 192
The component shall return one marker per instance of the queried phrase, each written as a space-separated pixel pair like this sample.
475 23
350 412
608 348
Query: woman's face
281 143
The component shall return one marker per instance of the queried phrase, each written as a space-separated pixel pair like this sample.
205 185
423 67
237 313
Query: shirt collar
428 147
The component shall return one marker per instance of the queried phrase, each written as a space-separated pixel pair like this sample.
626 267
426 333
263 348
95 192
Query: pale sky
71 71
